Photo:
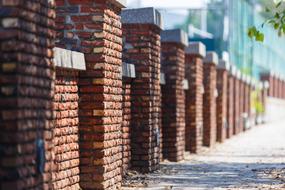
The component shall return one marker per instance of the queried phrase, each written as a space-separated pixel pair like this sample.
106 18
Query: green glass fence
250 56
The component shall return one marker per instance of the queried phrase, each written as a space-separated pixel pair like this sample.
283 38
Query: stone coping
266 85
120 3
223 64
69 59
128 70
233 70
248 79
238 75
211 57
162 79
243 77
175 35
196 48
147 15
185 84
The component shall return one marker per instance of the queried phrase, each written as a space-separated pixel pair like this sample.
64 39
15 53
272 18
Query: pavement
251 160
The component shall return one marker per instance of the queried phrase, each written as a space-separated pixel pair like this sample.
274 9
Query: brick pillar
66 123
280 86
267 77
275 86
195 53
264 95
173 43
230 101
242 98
94 28
209 99
222 85
247 101
236 103
252 108
26 93
128 76
141 30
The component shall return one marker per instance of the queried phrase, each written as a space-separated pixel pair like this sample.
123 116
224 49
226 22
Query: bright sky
167 3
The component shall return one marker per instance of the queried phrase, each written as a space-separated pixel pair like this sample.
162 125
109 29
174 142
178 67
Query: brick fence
117 93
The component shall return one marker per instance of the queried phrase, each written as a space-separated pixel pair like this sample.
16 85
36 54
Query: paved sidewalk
252 160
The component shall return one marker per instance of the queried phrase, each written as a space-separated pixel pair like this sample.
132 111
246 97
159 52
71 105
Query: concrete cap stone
185 84
175 35
243 77
253 82
238 75
211 57
128 70
147 15
224 64
265 84
69 59
248 79
162 79
196 48
120 3
233 70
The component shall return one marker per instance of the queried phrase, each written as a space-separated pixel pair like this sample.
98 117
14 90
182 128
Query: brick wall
209 99
230 101
222 85
173 95
195 53
143 39
94 28
26 81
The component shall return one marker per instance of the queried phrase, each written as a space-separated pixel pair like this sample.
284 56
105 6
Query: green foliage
277 21
256 34
256 102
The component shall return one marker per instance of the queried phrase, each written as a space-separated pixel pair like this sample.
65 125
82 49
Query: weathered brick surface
246 107
241 104
26 91
94 28
65 133
222 85
173 101
144 52
236 105
275 86
230 103
194 99
209 103
126 124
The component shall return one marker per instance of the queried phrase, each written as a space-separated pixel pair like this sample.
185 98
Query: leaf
252 32
267 9
276 26
259 37
277 16
278 4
